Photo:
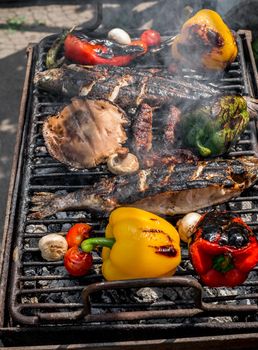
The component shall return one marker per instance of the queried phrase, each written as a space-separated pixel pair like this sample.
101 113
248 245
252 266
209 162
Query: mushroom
186 225
53 247
120 36
85 132
123 163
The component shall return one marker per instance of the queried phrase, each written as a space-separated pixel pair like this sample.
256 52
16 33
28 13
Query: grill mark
141 95
166 250
85 90
121 82
142 184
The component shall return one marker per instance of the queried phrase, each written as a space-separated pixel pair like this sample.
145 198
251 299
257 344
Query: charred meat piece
123 85
85 133
173 119
164 157
171 189
142 130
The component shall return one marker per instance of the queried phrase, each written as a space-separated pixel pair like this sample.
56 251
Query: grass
16 23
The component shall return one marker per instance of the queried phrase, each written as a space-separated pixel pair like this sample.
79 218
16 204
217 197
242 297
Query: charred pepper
52 60
212 129
205 41
137 244
223 249
81 49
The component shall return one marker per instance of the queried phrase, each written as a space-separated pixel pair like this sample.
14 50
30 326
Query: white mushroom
186 225
122 164
120 36
53 247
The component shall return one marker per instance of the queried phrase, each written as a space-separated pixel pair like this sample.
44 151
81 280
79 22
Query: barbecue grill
42 304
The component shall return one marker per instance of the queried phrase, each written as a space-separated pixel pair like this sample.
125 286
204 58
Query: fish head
245 171
49 80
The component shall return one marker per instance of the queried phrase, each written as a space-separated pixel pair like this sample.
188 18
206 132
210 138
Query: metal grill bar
42 293
38 181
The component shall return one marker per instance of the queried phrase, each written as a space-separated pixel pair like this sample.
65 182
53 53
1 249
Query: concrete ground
23 22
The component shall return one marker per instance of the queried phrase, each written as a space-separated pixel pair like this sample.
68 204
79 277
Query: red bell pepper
80 49
223 249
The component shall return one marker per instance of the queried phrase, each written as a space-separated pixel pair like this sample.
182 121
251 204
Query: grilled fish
167 190
125 86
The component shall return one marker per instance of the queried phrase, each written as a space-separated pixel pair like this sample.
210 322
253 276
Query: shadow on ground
12 70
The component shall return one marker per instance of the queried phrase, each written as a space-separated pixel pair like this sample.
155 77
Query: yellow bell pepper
137 244
205 41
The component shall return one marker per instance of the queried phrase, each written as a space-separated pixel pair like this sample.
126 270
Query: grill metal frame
91 332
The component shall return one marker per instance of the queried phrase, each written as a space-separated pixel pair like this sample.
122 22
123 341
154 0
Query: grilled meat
173 119
142 130
163 157
126 86
171 189
85 133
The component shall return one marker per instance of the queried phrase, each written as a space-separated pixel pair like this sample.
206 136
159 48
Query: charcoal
45 271
54 228
29 272
66 227
29 300
36 229
61 215
43 284
79 215
221 319
30 284
31 242
41 150
148 294
170 293
60 270
246 205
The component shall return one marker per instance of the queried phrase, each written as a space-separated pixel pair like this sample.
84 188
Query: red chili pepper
223 249
80 49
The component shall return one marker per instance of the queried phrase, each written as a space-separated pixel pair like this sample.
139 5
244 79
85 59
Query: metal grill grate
42 293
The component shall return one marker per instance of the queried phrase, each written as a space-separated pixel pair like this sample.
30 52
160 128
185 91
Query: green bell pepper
212 130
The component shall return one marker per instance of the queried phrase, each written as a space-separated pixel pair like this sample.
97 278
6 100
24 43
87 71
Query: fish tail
45 204
41 197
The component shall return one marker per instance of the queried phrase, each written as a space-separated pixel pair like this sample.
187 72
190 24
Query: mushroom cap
121 164
85 133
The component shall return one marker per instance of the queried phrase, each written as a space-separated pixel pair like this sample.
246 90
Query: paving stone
37 23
